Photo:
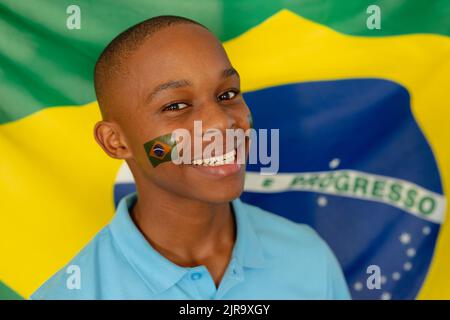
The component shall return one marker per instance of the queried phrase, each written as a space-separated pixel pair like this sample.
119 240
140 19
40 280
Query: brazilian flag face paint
160 149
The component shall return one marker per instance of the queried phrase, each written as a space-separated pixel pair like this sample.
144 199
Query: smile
227 158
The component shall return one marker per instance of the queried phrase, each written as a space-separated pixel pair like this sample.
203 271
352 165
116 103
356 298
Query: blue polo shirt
273 258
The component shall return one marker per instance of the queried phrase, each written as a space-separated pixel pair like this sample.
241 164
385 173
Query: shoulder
299 251
277 230
77 279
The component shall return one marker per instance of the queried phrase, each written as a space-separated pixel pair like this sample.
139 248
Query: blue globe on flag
355 166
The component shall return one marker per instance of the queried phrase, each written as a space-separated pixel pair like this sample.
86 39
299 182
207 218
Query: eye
228 95
176 106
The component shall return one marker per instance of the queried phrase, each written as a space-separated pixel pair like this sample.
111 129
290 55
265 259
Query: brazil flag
357 88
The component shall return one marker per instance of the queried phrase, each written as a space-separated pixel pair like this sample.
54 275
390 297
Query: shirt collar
158 272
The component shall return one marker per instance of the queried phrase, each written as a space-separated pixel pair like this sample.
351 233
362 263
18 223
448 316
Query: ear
109 137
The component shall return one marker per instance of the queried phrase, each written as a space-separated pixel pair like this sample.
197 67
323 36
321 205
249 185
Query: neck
186 231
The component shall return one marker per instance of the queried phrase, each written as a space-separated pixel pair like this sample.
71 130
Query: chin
219 193
210 187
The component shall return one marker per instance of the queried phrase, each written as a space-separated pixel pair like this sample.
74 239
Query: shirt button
196 276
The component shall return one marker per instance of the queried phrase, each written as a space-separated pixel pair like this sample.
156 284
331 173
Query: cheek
168 176
152 145
136 134
139 153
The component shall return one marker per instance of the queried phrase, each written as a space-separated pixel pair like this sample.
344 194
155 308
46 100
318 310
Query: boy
185 234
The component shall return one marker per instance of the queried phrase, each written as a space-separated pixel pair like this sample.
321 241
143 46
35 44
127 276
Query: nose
216 119
216 116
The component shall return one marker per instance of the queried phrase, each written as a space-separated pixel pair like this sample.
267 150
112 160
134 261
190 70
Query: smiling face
179 75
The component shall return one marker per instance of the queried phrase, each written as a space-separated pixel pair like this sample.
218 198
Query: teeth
227 158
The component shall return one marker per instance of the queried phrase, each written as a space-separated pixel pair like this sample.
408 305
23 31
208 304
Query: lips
218 167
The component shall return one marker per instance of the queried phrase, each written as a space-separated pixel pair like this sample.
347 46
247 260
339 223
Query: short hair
111 60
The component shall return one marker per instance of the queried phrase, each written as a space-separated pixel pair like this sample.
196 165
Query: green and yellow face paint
161 149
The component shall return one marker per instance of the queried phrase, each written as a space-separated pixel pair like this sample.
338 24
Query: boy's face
192 55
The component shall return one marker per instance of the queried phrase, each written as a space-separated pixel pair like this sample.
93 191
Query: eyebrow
173 84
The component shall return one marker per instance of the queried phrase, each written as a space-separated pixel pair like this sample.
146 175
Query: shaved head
162 75
111 62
